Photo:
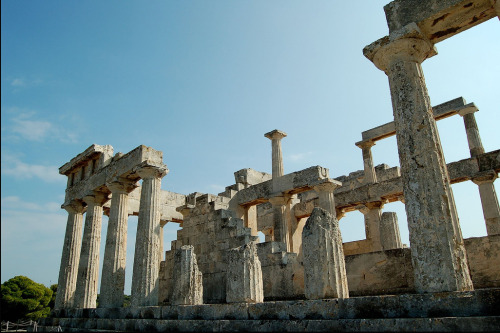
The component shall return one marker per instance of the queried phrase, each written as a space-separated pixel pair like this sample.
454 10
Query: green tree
22 299
52 302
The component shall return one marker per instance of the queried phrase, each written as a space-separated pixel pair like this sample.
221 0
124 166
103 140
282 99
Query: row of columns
78 275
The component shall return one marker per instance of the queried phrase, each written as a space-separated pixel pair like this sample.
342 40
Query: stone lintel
440 111
85 156
275 134
438 19
292 183
123 167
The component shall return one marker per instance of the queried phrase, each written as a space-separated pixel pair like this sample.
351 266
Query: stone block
187 278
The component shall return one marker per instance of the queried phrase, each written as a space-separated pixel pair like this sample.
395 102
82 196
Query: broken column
324 263
489 199
437 247
115 251
244 275
147 244
370 175
88 267
187 278
390 237
70 256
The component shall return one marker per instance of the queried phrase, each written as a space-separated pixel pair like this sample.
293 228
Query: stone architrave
70 256
147 244
390 236
324 262
244 275
113 268
437 247
187 278
88 268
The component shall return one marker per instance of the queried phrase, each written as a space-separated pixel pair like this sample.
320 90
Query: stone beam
125 167
440 111
392 189
438 19
88 154
291 183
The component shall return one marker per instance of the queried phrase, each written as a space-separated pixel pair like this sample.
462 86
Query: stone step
438 324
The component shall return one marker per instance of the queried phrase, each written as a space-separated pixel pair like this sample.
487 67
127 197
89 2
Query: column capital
368 206
469 108
407 43
365 144
484 177
152 171
95 197
122 185
327 185
275 135
75 207
280 199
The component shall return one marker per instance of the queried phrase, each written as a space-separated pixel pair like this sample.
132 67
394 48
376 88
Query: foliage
24 299
52 302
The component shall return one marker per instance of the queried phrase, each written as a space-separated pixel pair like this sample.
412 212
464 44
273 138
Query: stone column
88 268
372 212
489 201
280 221
370 175
326 198
70 256
147 244
276 136
113 268
390 237
437 247
473 138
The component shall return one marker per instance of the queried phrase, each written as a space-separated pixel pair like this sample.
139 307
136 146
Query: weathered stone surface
244 275
390 237
324 266
187 278
483 255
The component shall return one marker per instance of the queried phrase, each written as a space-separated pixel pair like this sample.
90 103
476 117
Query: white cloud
15 203
299 156
17 83
12 166
31 129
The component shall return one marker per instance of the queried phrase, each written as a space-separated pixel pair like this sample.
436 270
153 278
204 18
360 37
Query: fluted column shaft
473 138
437 247
88 268
70 257
390 237
277 156
489 202
280 221
372 212
115 251
147 245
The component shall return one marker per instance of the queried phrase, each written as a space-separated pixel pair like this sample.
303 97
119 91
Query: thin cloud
18 83
300 156
31 129
12 166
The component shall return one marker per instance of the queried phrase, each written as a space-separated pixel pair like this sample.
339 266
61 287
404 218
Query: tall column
437 247
280 220
113 268
370 175
372 212
70 256
88 268
147 244
489 201
276 136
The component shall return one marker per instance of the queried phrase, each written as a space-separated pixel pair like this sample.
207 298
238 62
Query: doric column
276 136
70 256
366 148
390 237
437 247
473 138
88 268
372 212
489 201
115 251
147 244
280 221
326 197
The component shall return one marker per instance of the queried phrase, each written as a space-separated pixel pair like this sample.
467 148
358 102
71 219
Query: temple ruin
219 277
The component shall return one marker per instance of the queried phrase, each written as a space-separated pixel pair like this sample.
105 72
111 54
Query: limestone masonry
219 277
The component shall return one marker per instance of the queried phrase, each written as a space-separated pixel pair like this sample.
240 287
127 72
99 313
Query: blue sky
203 81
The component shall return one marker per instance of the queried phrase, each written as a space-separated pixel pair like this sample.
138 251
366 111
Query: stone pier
88 269
70 256
438 253
147 244
113 269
